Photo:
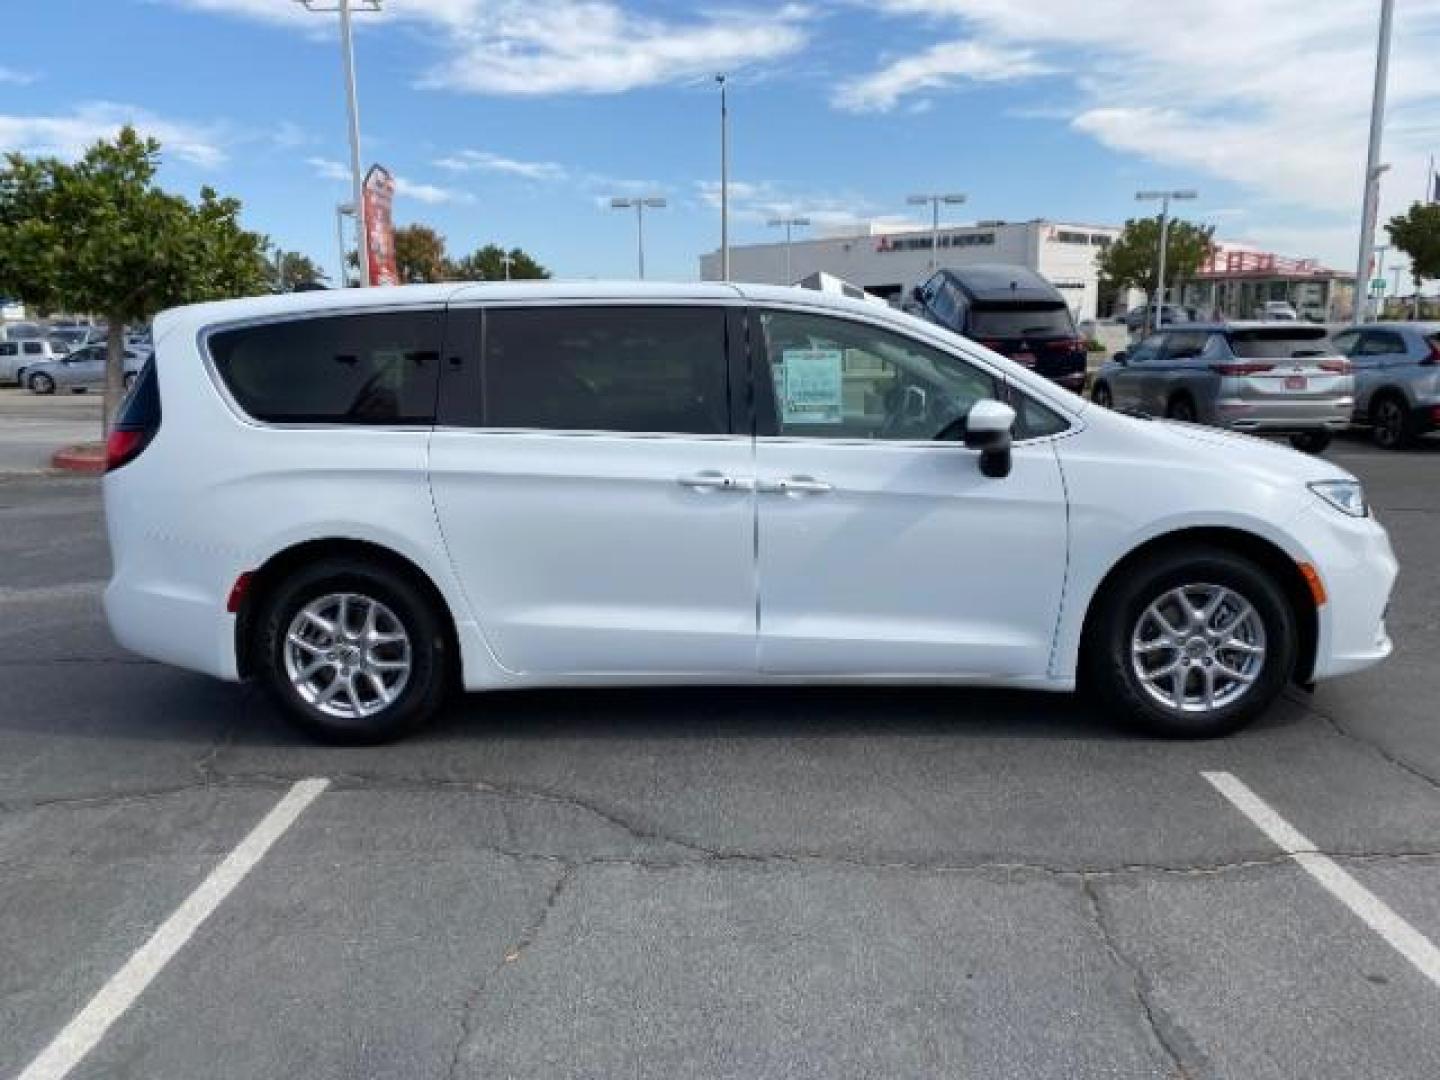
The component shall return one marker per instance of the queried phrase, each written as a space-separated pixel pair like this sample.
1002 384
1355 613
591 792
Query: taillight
1066 343
1240 369
124 446
137 421
1336 367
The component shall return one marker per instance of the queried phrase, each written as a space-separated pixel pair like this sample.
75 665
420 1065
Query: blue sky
513 122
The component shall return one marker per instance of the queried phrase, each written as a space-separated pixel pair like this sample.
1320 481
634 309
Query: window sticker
813 386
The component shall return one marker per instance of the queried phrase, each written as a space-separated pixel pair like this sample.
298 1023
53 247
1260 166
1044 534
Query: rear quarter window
358 368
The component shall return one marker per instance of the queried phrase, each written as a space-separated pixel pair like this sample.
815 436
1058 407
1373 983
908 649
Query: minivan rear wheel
1191 643
352 652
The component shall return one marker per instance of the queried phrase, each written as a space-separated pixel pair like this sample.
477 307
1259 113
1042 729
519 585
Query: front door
596 507
883 550
1128 383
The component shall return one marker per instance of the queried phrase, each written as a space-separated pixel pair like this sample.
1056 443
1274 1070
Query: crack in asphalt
703 856
1371 745
1162 1028
512 954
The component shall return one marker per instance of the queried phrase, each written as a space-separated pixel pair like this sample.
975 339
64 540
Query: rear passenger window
646 369
370 368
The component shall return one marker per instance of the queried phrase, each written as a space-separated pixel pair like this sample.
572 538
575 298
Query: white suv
366 497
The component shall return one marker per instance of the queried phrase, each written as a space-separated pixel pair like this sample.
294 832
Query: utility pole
788 223
347 57
639 203
1158 305
1370 201
724 181
935 201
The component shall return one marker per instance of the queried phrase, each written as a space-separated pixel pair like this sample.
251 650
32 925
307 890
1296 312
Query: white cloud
16 77
1272 95
70 135
328 169
828 213
485 161
518 47
941 66
430 194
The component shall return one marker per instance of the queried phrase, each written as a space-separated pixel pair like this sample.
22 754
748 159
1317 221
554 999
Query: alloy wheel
347 655
1198 648
1389 424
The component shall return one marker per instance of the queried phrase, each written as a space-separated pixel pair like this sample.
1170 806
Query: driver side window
848 380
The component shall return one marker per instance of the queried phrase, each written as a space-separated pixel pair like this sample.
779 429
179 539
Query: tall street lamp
1164 197
789 223
639 203
724 182
347 55
953 199
1370 202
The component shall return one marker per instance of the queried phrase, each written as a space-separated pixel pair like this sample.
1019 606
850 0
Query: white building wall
893 263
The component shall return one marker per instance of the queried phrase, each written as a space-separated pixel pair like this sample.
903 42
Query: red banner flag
379 193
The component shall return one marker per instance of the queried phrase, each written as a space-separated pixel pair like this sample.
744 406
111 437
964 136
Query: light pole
1164 197
341 210
788 222
639 203
347 56
935 201
507 260
1370 201
724 181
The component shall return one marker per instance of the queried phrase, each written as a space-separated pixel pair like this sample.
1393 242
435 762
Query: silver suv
1397 379
1266 378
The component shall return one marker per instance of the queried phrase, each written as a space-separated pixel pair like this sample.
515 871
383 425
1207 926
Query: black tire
40 383
425 688
1311 442
1109 669
1182 408
1390 425
1100 395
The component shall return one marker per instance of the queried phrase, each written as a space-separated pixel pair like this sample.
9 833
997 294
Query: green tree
419 254
295 269
1130 260
488 264
99 236
1417 233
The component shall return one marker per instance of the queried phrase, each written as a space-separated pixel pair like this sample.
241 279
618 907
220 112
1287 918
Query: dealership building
887 263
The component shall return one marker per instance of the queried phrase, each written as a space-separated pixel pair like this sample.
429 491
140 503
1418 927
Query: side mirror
1122 357
987 429
918 294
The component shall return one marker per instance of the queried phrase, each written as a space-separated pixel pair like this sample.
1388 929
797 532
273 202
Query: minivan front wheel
1192 644
352 652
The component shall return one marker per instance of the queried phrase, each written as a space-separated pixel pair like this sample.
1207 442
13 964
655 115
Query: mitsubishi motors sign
378 194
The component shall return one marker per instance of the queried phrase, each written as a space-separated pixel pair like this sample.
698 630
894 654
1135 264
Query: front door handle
797 485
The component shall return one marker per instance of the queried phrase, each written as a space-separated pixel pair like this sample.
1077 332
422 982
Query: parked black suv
1010 309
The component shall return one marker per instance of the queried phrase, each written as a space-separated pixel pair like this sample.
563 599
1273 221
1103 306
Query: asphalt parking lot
734 883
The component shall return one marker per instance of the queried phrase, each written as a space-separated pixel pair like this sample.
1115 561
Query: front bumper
1358 568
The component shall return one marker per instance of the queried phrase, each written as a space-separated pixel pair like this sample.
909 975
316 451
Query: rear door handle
798 485
711 480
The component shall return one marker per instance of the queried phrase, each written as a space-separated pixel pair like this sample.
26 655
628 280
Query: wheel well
280 565
1387 393
1258 550
1181 395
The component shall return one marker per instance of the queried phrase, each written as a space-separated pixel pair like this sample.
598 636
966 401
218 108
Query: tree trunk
114 373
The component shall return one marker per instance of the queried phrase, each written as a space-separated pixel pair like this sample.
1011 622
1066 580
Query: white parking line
1369 908
81 1035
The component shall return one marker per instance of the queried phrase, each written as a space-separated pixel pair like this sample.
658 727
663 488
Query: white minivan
367 497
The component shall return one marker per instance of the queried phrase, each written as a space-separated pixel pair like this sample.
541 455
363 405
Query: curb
83 458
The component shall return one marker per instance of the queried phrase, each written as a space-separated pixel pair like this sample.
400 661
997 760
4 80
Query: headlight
1344 495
